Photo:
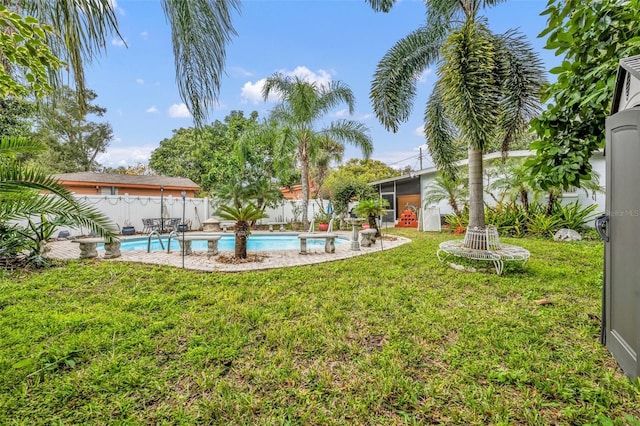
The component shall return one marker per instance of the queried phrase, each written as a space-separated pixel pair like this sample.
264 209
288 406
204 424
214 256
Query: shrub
543 225
573 216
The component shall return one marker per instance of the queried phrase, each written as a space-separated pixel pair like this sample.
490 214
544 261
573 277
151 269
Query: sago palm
243 216
371 209
487 88
22 198
303 104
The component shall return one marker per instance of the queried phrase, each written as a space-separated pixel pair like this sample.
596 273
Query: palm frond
522 75
333 95
248 213
381 5
83 28
278 84
16 145
468 82
393 88
440 134
352 132
21 187
30 205
200 31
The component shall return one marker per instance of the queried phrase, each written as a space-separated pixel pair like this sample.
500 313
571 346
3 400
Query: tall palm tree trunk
454 205
475 238
524 198
476 192
304 162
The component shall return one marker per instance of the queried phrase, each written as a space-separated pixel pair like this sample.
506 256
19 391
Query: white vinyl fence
125 210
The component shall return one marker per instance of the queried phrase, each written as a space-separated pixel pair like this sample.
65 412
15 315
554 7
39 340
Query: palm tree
371 209
21 198
513 181
487 89
200 30
303 104
450 188
243 216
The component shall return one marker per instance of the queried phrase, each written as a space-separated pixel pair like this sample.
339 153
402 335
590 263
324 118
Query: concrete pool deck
200 261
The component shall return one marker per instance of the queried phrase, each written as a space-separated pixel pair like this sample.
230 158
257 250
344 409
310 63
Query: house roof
115 179
492 156
434 169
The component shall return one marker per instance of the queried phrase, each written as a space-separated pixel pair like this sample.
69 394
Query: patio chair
146 226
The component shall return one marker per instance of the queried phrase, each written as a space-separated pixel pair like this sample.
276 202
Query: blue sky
322 40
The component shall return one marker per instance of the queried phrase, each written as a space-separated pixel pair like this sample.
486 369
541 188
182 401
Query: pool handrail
171 234
157 234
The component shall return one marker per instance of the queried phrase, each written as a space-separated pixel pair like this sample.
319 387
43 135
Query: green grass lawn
389 338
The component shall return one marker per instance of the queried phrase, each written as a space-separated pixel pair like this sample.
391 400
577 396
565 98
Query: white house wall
597 163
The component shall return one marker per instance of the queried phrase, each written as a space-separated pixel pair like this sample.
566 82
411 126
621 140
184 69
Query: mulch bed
230 259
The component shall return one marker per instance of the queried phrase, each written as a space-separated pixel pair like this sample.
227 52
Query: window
109 190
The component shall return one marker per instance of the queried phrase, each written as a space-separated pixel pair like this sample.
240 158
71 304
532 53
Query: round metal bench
476 246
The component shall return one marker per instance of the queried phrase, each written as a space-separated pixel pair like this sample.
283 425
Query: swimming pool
227 242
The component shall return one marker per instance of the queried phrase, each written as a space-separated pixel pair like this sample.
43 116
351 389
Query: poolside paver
201 261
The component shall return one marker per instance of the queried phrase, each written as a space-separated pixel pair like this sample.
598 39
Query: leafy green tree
351 191
74 141
205 155
26 57
593 36
303 104
358 170
487 89
139 169
21 198
243 216
330 153
16 117
255 153
200 30
246 193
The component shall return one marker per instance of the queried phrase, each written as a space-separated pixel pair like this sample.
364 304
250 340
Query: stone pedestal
367 237
211 225
355 222
185 246
112 250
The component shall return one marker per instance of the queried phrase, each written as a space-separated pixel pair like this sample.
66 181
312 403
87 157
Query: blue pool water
227 242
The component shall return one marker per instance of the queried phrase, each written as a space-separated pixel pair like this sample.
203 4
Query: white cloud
126 155
252 92
179 111
422 78
152 109
114 6
144 35
118 42
139 80
344 113
240 72
419 131
321 78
